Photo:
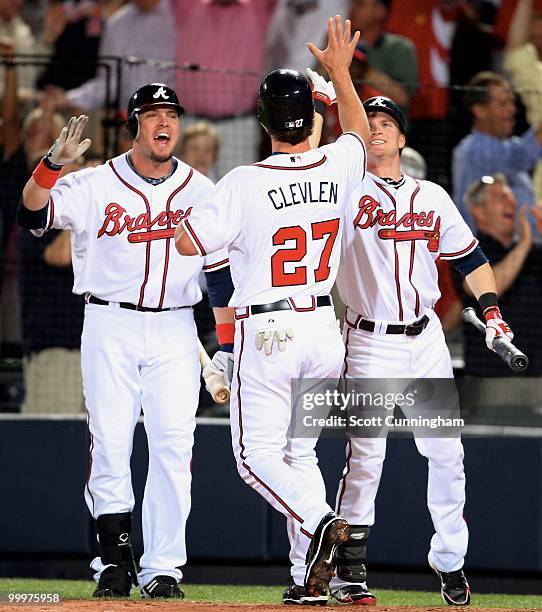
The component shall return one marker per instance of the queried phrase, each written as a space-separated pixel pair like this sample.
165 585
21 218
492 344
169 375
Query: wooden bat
219 390
512 356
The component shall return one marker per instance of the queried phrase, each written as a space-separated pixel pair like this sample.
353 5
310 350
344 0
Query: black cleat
296 595
162 586
115 582
354 594
331 531
454 587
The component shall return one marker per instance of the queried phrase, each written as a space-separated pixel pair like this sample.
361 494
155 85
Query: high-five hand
340 49
67 147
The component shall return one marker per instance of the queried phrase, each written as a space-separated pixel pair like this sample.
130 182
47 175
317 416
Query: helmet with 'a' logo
149 96
381 104
285 101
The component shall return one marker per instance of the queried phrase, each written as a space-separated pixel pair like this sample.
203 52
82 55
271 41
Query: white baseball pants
283 469
370 355
132 361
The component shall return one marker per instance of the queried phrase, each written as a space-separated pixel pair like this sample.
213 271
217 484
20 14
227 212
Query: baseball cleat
296 595
354 594
331 531
162 586
114 582
454 587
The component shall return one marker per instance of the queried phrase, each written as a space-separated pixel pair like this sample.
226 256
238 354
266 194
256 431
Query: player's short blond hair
475 194
201 128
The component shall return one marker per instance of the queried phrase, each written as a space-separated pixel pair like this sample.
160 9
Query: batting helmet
285 101
148 96
381 104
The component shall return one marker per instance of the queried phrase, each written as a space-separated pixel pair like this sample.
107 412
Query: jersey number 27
320 229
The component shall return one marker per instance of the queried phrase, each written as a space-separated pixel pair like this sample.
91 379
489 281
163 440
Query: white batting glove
266 337
221 365
495 326
321 89
67 147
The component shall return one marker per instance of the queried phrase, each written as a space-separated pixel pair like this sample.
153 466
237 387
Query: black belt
91 299
413 329
321 300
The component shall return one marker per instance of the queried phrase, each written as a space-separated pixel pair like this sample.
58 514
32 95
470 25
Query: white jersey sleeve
69 201
456 238
216 223
350 150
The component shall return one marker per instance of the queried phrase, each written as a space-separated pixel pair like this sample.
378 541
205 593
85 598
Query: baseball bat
220 392
512 356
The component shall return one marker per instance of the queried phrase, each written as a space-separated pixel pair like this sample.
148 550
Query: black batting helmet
381 104
154 94
285 101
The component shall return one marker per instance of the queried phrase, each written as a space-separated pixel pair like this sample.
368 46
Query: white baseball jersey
122 232
282 221
392 237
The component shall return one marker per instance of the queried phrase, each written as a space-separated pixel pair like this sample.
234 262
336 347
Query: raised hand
340 48
67 147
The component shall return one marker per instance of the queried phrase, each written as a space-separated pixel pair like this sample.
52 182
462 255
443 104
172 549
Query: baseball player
139 342
395 229
281 220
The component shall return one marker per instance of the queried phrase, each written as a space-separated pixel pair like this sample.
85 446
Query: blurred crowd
468 74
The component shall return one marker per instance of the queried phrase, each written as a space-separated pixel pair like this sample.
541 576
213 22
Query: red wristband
45 177
225 333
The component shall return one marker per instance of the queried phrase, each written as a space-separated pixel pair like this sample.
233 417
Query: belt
91 299
413 329
285 304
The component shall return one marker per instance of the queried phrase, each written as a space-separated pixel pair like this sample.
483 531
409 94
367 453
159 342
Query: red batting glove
496 326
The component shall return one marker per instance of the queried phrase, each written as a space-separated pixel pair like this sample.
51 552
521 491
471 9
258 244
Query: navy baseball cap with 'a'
381 104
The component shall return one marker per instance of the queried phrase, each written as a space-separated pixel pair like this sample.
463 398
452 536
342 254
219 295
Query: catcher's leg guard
350 556
114 538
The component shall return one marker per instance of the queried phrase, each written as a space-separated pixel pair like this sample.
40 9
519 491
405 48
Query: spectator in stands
52 323
74 29
523 62
490 147
390 63
223 35
16 32
430 24
517 266
292 21
200 144
413 163
142 29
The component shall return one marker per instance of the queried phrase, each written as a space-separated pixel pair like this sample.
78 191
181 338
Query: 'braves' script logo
117 221
160 93
371 214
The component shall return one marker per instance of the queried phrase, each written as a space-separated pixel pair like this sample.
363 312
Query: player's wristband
488 302
225 333
320 107
45 176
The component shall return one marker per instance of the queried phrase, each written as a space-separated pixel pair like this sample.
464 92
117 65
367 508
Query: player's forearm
508 269
183 243
481 281
314 139
35 197
352 115
223 315
518 34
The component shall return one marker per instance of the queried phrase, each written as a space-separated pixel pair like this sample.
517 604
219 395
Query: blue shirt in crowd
480 154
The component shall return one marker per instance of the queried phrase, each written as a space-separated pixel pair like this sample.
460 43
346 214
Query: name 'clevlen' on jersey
282 220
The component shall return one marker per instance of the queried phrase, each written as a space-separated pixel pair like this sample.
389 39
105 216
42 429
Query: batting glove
496 327
266 337
221 365
321 89
67 147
